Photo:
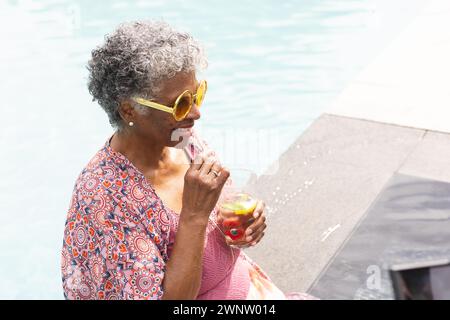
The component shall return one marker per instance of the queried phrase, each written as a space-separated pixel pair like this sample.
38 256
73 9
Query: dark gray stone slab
408 221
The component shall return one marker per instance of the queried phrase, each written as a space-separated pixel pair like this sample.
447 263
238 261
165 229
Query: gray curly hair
135 59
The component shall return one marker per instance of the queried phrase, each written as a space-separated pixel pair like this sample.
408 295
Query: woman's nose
194 113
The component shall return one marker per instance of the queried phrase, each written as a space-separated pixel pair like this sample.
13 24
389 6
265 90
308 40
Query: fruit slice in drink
237 210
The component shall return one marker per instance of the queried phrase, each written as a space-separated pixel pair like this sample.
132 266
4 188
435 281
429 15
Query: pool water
274 66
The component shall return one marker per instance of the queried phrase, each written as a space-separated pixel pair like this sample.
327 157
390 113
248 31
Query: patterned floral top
119 235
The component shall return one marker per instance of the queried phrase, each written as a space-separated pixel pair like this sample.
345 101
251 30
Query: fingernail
248 239
249 232
256 215
253 244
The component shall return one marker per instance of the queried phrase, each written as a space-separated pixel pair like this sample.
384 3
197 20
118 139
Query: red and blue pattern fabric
116 234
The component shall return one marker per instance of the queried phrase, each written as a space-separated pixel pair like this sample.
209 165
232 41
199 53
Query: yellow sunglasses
183 103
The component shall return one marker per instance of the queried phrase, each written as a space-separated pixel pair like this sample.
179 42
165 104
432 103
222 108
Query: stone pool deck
327 180
393 118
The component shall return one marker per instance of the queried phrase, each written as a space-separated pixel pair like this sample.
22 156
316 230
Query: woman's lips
186 127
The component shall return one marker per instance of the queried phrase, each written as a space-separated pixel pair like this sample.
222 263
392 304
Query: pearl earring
131 123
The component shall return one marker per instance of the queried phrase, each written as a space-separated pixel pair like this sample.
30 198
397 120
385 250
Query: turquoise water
274 68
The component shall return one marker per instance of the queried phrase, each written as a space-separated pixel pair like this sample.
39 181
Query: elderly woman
143 220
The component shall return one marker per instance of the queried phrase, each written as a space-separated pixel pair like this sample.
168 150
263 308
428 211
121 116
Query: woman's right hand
202 187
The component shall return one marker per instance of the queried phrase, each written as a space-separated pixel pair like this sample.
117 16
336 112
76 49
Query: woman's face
158 125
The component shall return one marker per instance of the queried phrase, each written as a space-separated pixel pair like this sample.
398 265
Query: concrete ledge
325 182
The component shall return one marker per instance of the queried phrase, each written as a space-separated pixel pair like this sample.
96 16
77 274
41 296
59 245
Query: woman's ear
126 111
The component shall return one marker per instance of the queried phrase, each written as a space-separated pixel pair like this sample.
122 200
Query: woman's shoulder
109 177
93 168
101 171
101 188
106 164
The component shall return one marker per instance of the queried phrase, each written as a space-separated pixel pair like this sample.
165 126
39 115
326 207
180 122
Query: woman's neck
147 157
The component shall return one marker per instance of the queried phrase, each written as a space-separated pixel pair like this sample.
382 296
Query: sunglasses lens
184 106
201 93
